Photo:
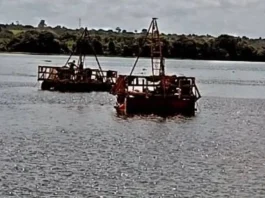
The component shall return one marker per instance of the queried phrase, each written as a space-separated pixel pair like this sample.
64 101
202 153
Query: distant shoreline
107 56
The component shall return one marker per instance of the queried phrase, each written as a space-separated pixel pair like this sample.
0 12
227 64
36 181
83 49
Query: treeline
60 40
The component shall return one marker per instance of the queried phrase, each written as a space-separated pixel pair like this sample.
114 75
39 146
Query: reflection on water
74 145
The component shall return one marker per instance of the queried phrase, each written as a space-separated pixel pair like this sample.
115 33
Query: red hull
158 105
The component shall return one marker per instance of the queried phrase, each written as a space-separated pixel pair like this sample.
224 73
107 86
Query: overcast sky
237 17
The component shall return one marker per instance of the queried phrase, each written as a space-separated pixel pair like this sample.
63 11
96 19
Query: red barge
158 93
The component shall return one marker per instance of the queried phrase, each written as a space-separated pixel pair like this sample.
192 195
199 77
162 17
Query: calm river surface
73 145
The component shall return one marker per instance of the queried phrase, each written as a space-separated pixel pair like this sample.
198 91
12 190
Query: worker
72 65
71 69
80 71
99 77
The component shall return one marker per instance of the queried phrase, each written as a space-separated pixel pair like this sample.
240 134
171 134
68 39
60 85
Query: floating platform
74 77
158 93
178 95
65 80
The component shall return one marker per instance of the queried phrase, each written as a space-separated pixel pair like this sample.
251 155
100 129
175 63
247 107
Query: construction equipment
75 77
158 93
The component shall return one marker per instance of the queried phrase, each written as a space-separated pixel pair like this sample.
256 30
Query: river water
73 145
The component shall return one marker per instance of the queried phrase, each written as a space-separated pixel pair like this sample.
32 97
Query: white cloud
242 17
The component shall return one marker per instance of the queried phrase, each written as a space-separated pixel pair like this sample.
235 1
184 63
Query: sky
214 17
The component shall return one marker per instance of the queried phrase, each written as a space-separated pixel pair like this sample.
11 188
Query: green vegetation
118 42
15 32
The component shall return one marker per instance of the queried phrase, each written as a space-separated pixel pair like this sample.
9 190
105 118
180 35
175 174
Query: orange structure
157 93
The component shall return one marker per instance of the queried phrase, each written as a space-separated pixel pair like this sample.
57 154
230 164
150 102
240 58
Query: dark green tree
112 48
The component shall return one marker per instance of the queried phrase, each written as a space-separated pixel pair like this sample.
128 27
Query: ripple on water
73 145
